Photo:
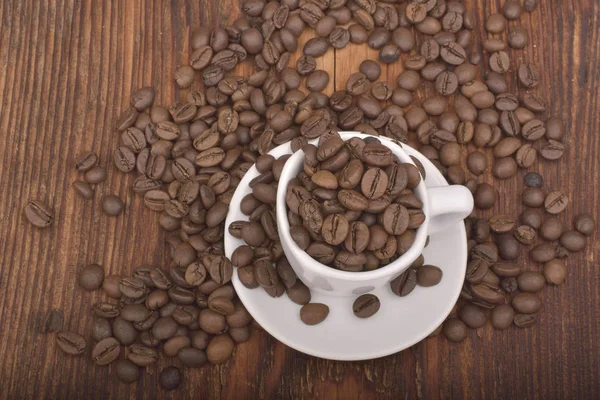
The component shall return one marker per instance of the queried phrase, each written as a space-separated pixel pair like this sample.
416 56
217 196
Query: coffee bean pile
190 156
358 211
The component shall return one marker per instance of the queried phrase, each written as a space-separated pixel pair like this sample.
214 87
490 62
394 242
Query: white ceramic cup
443 206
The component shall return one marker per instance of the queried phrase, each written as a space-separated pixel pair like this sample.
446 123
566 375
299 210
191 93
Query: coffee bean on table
112 205
170 378
71 343
95 175
366 306
53 322
126 371
502 316
313 313
526 303
495 23
524 320
84 189
573 240
219 349
485 196
555 202
106 351
553 150
370 69
429 275
39 214
528 75
584 224
91 277
543 252
86 161
551 228
472 316
518 37
142 355
455 330
499 62
555 272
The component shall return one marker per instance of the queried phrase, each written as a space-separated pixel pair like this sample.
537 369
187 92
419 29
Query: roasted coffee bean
126 371
524 320
531 281
86 161
526 303
555 272
526 234
91 277
472 316
404 284
518 38
485 196
501 223
543 252
573 240
502 316
429 275
106 351
366 306
313 313
584 224
455 330
71 343
39 214
555 202
453 53
499 62
112 205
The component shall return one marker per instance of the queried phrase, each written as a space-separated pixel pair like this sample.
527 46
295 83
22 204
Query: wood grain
68 68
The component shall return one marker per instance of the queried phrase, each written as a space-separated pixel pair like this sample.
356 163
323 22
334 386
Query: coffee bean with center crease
524 320
39 214
366 306
71 343
555 202
553 150
86 161
404 284
265 273
221 270
453 53
106 351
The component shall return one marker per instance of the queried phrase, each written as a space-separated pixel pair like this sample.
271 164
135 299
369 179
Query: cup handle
448 205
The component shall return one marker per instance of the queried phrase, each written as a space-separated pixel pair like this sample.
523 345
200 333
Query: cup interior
291 169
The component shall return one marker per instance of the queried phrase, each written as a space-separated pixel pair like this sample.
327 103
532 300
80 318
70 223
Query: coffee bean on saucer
366 306
313 313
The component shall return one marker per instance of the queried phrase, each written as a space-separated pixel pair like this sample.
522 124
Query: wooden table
68 68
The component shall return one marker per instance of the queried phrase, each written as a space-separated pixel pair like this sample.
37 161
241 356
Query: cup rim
394 268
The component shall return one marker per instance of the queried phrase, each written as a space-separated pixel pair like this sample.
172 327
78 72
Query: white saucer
400 322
